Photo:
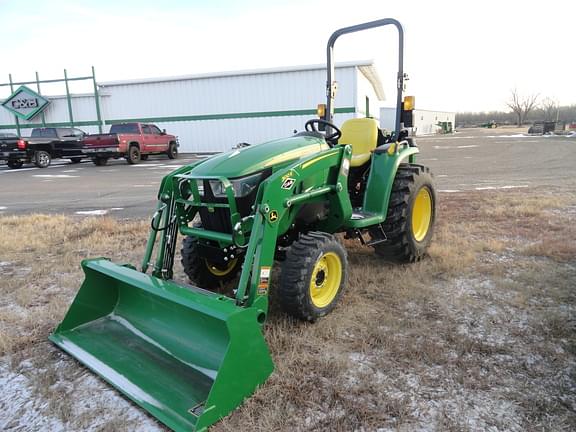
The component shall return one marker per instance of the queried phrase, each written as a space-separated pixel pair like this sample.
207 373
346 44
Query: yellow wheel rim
421 214
221 271
326 278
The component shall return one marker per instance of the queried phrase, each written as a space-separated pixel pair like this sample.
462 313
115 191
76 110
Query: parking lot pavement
489 159
84 189
469 160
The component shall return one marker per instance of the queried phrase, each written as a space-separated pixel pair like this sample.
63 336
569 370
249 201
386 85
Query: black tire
15 164
134 155
100 161
199 270
303 267
144 157
42 159
405 241
172 151
76 160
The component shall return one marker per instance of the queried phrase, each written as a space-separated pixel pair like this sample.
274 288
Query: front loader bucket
187 356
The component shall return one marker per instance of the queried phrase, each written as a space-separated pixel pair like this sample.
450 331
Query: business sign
25 103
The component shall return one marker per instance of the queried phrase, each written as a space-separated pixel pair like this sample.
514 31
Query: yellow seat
362 135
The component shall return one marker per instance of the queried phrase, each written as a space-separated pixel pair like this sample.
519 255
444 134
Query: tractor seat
362 135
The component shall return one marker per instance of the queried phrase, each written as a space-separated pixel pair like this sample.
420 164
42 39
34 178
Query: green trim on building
226 116
40 125
259 114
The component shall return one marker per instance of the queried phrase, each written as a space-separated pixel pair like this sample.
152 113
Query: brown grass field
478 336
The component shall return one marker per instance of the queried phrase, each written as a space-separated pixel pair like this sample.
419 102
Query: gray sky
460 55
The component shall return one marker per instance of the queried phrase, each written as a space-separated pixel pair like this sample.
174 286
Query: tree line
523 110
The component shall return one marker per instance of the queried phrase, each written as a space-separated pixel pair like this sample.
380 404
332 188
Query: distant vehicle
133 141
44 145
490 125
12 150
542 127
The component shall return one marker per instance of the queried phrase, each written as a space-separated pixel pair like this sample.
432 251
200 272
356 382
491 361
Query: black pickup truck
12 149
44 145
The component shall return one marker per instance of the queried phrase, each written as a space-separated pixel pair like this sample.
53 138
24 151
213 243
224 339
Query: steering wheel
312 126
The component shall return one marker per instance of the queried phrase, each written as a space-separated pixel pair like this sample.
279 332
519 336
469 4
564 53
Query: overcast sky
460 55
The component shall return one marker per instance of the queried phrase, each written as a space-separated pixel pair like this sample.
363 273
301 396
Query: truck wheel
15 164
76 160
42 159
409 223
100 161
202 272
172 151
313 276
133 155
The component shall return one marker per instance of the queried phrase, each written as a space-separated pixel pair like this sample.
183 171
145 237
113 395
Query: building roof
365 66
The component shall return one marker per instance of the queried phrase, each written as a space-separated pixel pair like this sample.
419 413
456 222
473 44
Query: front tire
172 151
409 223
42 159
15 164
133 155
202 272
314 275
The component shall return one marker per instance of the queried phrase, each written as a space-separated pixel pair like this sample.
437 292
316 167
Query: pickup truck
133 141
12 150
44 145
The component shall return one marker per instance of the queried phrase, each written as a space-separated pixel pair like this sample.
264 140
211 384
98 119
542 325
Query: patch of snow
3 208
92 212
449 190
467 146
92 404
55 176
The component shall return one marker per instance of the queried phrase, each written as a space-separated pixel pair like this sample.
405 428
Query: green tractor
190 354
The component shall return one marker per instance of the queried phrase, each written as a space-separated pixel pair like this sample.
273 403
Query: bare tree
522 105
550 108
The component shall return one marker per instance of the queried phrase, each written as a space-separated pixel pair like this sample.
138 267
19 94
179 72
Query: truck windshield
44 133
127 128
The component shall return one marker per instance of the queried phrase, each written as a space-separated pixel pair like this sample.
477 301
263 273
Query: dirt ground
479 336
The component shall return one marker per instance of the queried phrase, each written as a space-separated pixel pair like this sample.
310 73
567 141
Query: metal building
214 112
425 122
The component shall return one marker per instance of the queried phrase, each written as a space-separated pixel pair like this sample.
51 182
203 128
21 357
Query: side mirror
163 131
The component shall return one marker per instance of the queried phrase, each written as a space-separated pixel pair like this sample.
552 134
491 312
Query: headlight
241 186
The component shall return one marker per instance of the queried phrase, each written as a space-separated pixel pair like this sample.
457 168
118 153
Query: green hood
254 158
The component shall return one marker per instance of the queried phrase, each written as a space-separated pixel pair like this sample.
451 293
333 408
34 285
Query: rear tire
172 151
42 159
100 161
200 271
15 164
134 155
314 275
409 223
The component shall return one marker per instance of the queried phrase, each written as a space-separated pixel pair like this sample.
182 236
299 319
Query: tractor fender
383 170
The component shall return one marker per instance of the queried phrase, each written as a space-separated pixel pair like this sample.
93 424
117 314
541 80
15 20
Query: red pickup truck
133 141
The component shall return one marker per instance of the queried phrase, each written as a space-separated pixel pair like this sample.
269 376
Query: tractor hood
257 157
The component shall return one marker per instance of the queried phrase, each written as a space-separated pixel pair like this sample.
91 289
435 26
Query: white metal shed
213 112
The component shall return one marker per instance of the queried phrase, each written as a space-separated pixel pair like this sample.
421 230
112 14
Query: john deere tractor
190 354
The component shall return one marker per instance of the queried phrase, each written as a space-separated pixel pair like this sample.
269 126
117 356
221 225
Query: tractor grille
218 218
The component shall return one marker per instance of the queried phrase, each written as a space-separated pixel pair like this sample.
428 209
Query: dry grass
479 336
